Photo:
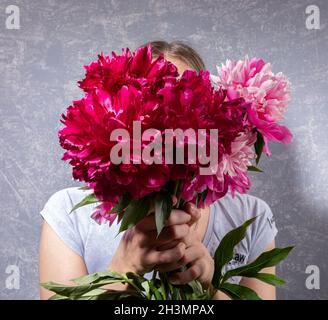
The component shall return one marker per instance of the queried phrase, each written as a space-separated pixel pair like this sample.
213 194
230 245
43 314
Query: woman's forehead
179 63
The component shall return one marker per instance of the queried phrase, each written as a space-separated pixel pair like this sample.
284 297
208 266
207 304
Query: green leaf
162 291
238 292
163 208
155 292
211 291
265 260
269 278
201 197
196 287
120 216
176 294
186 291
89 199
112 295
194 291
70 291
136 279
224 252
58 297
93 294
204 194
135 211
98 276
102 294
253 168
124 201
259 144
84 285
198 199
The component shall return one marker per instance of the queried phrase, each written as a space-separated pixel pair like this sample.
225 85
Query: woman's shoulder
78 230
67 197
71 226
60 204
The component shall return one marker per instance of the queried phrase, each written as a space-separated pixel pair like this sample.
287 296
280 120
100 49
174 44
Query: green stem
176 187
163 285
166 285
130 282
177 193
154 274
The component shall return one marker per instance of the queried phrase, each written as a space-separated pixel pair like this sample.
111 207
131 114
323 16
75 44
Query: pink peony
268 93
242 152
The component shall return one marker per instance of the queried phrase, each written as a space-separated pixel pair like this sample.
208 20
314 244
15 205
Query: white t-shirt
96 244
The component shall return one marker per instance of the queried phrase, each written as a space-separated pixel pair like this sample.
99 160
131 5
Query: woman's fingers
174 232
167 236
192 254
189 215
193 211
168 267
155 257
200 266
194 272
176 217
168 245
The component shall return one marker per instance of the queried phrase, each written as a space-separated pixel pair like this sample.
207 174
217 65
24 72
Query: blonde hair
179 50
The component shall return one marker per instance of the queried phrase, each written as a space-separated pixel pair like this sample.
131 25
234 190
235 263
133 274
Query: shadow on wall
302 221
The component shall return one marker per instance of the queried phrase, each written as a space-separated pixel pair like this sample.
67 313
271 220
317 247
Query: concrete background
41 62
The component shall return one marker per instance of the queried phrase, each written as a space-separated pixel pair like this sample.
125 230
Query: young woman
73 245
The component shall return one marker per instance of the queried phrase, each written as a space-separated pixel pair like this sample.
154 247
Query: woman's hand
199 265
197 260
140 249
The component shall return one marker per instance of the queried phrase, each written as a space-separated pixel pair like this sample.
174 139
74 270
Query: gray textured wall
41 62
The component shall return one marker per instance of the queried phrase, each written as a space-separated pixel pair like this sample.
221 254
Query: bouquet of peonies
142 133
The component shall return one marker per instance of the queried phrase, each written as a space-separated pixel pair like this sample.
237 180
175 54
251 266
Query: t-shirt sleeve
263 230
56 213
